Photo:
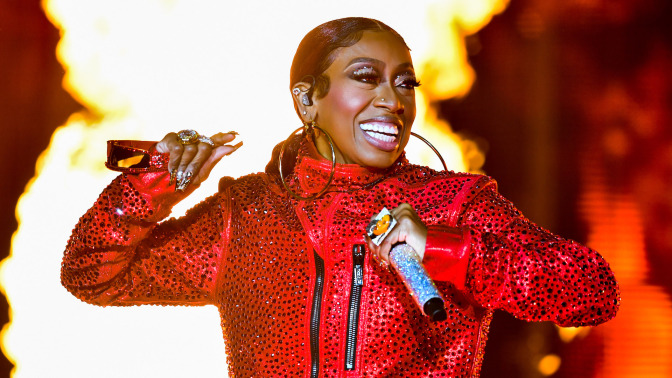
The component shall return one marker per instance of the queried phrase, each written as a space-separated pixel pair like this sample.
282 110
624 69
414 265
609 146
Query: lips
382 133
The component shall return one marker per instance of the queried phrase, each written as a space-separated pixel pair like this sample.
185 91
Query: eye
366 74
406 81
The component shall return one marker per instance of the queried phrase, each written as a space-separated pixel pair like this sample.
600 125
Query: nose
388 98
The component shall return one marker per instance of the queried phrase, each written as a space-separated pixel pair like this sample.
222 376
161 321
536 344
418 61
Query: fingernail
173 175
235 147
184 182
233 133
178 180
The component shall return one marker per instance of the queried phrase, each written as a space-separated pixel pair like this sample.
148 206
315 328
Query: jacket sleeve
119 254
507 262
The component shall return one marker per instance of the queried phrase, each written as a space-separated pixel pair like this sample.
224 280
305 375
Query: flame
638 342
142 69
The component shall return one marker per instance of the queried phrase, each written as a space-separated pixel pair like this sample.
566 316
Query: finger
374 255
203 153
384 249
166 143
171 144
222 138
372 246
401 208
188 154
216 155
413 232
404 211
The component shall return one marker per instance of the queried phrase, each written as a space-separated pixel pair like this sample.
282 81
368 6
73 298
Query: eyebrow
377 62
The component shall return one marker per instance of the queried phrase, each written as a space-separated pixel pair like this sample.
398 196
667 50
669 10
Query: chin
380 162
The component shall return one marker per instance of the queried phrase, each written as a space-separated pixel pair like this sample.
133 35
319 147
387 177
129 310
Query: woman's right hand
191 164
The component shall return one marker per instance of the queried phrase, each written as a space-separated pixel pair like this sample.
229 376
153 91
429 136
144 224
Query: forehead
382 46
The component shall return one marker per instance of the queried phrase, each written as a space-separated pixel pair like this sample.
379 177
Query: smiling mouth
383 131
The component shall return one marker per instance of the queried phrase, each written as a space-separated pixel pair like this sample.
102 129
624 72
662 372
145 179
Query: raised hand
409 229
191 164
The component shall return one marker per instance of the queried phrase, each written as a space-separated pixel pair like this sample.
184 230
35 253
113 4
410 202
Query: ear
306 112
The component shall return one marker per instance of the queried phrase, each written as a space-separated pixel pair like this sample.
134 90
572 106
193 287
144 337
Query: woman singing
301 291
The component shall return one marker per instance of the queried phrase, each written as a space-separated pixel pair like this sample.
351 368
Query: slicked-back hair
316 52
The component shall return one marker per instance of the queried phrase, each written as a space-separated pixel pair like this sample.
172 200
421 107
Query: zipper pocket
315 317
355 302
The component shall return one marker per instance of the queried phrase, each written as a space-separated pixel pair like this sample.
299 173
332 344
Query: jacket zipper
355 302
315 317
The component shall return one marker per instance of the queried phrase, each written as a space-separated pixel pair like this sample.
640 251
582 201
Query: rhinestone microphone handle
407 263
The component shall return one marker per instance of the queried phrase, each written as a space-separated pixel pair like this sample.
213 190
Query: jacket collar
312 171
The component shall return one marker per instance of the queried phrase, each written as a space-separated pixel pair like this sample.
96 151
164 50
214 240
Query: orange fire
638 342
142 69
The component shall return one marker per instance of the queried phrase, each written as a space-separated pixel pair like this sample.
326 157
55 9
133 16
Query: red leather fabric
447 254
250 250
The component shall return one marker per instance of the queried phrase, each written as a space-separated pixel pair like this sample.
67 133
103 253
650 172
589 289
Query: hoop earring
433 149
309 128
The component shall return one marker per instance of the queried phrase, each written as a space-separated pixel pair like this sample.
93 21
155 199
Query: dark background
538 106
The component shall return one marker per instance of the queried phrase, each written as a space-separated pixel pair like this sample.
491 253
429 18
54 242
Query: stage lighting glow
549 364
638 342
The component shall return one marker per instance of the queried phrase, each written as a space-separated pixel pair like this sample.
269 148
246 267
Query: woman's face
370 105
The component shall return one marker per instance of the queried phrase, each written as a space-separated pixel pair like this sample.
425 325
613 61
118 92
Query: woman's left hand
409 229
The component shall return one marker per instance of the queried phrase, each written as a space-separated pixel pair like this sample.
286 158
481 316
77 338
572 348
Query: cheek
346 104
410 109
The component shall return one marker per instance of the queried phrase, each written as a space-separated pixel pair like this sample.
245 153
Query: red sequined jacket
281 270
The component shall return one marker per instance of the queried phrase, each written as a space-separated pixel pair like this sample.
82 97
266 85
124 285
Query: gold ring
188 136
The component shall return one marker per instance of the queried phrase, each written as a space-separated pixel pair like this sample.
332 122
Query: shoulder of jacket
415 175
251 181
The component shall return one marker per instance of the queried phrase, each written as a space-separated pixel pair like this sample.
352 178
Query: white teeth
380 127
381 137
375 130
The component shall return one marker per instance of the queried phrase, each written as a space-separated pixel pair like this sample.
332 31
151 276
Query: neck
323 147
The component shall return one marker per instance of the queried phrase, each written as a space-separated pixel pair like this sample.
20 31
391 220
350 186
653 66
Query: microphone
408 266
406 262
